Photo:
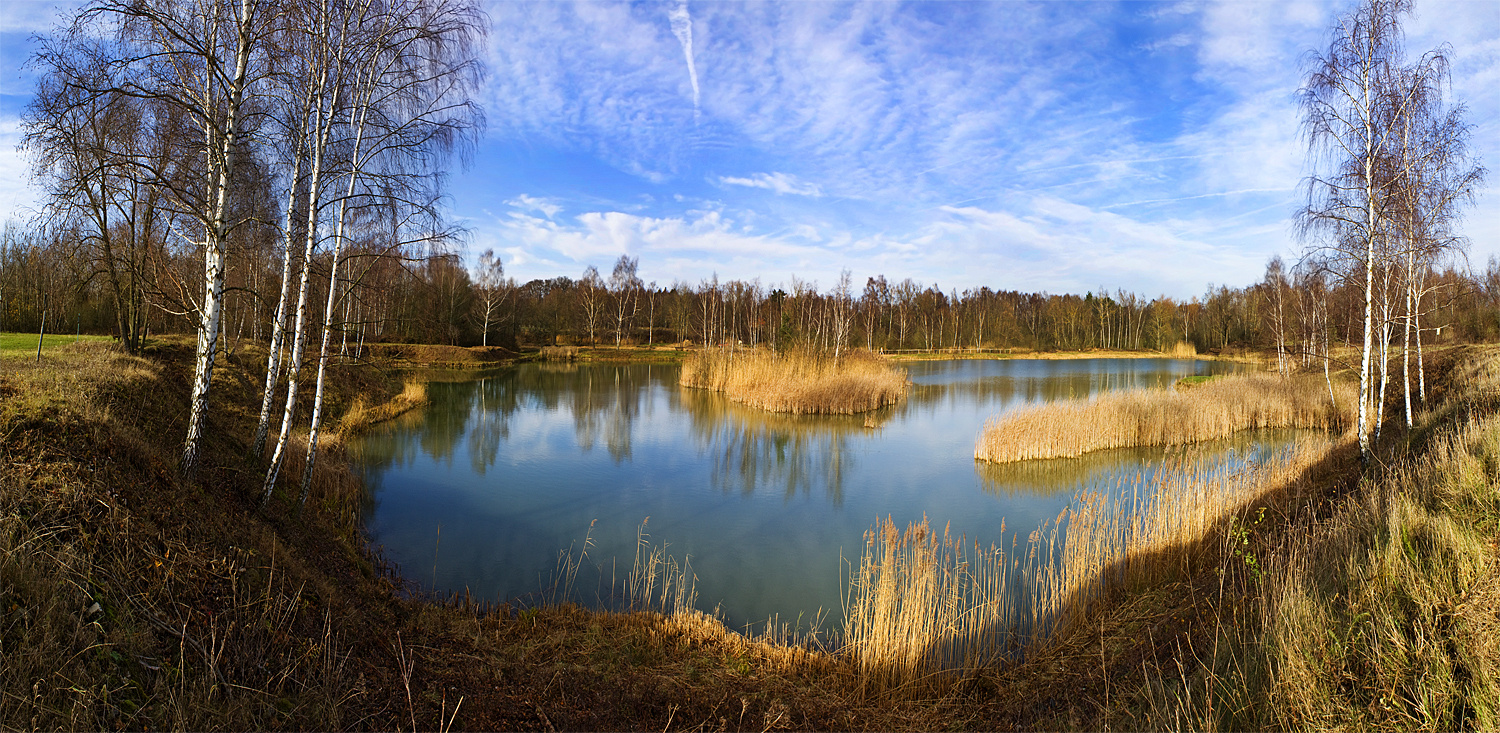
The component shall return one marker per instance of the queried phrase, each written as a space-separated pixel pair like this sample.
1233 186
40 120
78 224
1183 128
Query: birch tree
489 279
203 59
1344 102
591 296
325 41
411 107
624 286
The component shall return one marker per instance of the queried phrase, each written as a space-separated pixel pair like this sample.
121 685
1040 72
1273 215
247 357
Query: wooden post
41 335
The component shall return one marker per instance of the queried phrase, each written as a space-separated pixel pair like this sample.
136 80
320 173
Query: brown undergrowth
796 381
1215 409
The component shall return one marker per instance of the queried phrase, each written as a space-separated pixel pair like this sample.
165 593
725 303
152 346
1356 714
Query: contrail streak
682 27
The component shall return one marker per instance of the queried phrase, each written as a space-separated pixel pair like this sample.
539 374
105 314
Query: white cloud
17 199
525 202
781 183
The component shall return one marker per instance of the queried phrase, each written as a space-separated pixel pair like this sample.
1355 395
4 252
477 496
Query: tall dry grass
1217 409
360 415
925 608
1381 613
1184 350
798 382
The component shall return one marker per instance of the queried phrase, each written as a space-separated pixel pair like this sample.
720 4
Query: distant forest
392 295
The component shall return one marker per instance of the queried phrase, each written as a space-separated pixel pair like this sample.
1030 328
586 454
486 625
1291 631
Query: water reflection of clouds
524 458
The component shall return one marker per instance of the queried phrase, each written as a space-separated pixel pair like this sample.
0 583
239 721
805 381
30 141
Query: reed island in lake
798 381
1124 419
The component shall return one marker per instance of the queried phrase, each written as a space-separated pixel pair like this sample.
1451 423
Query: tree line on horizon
435 299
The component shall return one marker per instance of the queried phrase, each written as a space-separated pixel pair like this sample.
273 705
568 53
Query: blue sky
1058 146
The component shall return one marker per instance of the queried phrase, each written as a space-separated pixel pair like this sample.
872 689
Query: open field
1212 409
797 382
22 344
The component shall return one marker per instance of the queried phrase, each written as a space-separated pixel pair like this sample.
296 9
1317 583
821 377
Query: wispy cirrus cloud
682 28
780 183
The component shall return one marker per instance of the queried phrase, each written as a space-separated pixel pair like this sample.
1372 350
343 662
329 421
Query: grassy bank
1214 409
1378 612
797 382
1180 351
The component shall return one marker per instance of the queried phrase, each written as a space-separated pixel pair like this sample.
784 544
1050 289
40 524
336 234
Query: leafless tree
493 287
624 287
1349 99
591 295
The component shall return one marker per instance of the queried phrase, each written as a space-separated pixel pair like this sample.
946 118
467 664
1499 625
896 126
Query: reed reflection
1102 470
1059 385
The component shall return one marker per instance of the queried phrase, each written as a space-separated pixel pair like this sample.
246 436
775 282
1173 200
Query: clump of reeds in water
1184 350
924 608
656 582
798 381
559 353
1217 409
360 415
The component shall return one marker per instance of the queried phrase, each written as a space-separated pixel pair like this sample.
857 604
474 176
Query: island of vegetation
799 381
1213 409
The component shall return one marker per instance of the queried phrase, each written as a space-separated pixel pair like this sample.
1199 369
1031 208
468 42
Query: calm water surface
482 488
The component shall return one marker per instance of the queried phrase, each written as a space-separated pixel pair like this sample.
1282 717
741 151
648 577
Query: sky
1041 147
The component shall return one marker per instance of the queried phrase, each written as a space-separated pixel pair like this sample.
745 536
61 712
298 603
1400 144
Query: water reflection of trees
753 449
604 403
1007 389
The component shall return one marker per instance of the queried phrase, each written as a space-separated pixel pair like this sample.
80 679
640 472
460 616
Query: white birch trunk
215 246
329 308
278 329
323 123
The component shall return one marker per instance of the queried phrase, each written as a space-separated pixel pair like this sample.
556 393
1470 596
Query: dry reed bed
360 415
798 382
1124 419
924 608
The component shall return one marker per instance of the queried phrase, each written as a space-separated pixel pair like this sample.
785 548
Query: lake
482 488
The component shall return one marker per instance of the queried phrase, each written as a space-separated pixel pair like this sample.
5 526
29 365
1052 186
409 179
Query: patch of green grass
20 344
1197 380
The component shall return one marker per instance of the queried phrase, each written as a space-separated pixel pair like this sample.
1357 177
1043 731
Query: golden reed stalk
923 608
1123 419
798 382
